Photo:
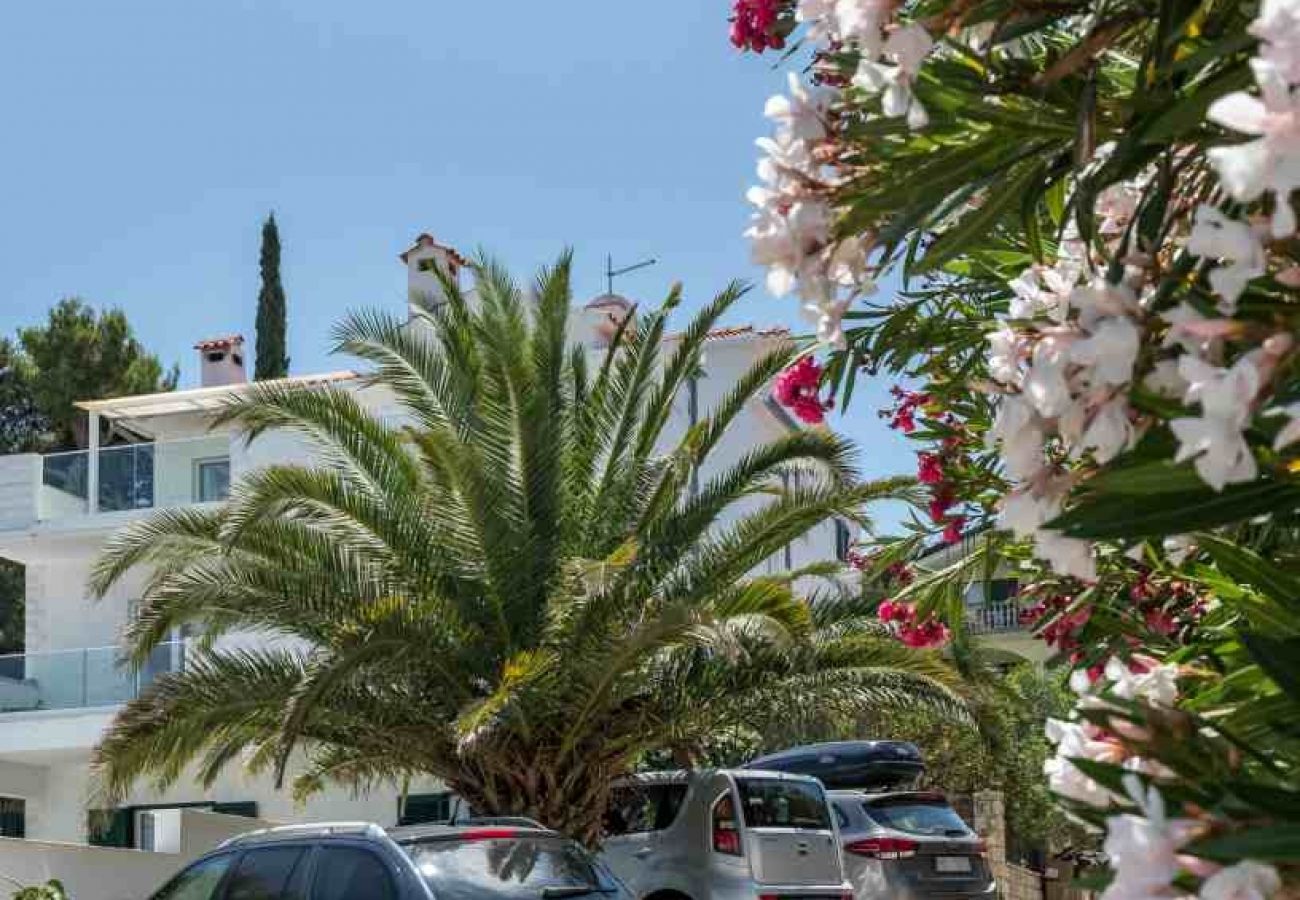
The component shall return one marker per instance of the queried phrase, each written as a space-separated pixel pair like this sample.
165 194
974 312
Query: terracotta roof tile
220 343
428 240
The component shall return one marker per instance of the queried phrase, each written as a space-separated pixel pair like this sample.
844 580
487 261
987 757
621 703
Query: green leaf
1279 658
1102 516
977 224
1160 477
1245 565
1272 843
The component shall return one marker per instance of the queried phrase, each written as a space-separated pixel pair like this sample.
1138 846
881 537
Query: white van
724 834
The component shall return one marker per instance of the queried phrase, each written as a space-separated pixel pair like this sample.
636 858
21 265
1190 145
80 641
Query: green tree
516 591
22 426
79 354
272 356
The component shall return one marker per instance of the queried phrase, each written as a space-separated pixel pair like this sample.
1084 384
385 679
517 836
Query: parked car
359 861
910 844
724 835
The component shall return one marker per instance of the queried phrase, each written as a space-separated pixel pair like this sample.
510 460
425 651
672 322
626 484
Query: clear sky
143 143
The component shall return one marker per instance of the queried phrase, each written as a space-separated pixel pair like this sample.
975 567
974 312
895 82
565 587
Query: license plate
952 864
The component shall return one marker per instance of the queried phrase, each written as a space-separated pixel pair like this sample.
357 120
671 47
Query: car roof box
861 765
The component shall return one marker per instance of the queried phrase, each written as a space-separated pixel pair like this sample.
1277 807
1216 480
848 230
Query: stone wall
1019 883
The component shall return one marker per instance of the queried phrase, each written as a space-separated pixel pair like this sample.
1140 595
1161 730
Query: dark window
1001 590
769 803
843 541
110 827
13 817
198 882
928 817
420 808
505 867
216 356
212 477
349 873
637 808
263 874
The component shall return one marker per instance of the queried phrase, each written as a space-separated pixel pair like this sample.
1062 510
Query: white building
56 510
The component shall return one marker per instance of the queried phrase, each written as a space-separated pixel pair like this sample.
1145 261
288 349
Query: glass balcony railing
135 476
79 679
994 618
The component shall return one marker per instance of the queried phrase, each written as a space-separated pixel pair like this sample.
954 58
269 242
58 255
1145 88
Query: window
263 874
420 808
638 808
934 818
508 868
198 882
212 480
843 541
769 803
13 817
349 873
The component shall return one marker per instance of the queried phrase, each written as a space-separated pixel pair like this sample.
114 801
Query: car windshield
928 817
772 803
510 867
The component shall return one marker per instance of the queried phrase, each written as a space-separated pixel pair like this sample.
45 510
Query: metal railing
135 476
80 678
994 618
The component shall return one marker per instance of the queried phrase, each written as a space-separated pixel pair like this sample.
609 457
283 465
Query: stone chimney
424 260
221 361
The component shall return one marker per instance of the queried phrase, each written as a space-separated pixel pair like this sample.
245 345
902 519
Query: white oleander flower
1073 741
1109 352
908 47
1278 29
785 164
784 242
819 18
1005 347
1155 684
1290 432
1025 511
1043 291
1216 236
1109 433
1045 383
800 115
1227 394
1165 380
1143 849
1221 454
1247 880
1067 556
1271 162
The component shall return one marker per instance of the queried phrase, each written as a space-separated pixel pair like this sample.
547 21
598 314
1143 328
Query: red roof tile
220 343
428 240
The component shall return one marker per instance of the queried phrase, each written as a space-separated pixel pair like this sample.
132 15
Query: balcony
133 476
994 618
80 679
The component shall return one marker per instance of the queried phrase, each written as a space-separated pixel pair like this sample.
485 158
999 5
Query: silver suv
724 835
910 844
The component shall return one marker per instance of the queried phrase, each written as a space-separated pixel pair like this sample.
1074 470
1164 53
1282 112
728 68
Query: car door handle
643 852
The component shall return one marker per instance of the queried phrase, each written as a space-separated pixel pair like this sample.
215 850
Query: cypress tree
272 355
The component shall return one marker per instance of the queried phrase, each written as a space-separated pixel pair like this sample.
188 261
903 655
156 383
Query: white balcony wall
20 481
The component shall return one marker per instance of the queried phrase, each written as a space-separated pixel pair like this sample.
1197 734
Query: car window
774 803
929 817
198 882
632 809
512 867
841 818
263 874
350 873
669 799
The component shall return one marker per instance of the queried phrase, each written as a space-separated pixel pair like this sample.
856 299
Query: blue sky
145 141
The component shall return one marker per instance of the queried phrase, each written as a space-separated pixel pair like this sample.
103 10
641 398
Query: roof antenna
611 273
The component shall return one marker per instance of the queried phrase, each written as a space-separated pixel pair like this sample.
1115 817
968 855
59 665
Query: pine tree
272 356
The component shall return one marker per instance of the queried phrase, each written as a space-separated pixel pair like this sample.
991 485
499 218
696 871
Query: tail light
726 836
727 842
882 848
981 847
488 834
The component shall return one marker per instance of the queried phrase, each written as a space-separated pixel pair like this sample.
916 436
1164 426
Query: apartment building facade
56 511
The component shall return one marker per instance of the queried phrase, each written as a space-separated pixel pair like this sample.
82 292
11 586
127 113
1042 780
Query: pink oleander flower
929 468
798 387
753 25
952 532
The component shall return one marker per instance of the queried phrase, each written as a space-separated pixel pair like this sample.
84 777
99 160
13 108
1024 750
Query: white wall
20 479
88 873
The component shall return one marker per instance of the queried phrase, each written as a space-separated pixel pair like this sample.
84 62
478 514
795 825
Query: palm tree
518 592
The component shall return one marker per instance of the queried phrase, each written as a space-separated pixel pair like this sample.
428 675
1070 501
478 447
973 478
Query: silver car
724 835
910 844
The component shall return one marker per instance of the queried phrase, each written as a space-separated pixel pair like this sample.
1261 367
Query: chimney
600 319
424 260
221 361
